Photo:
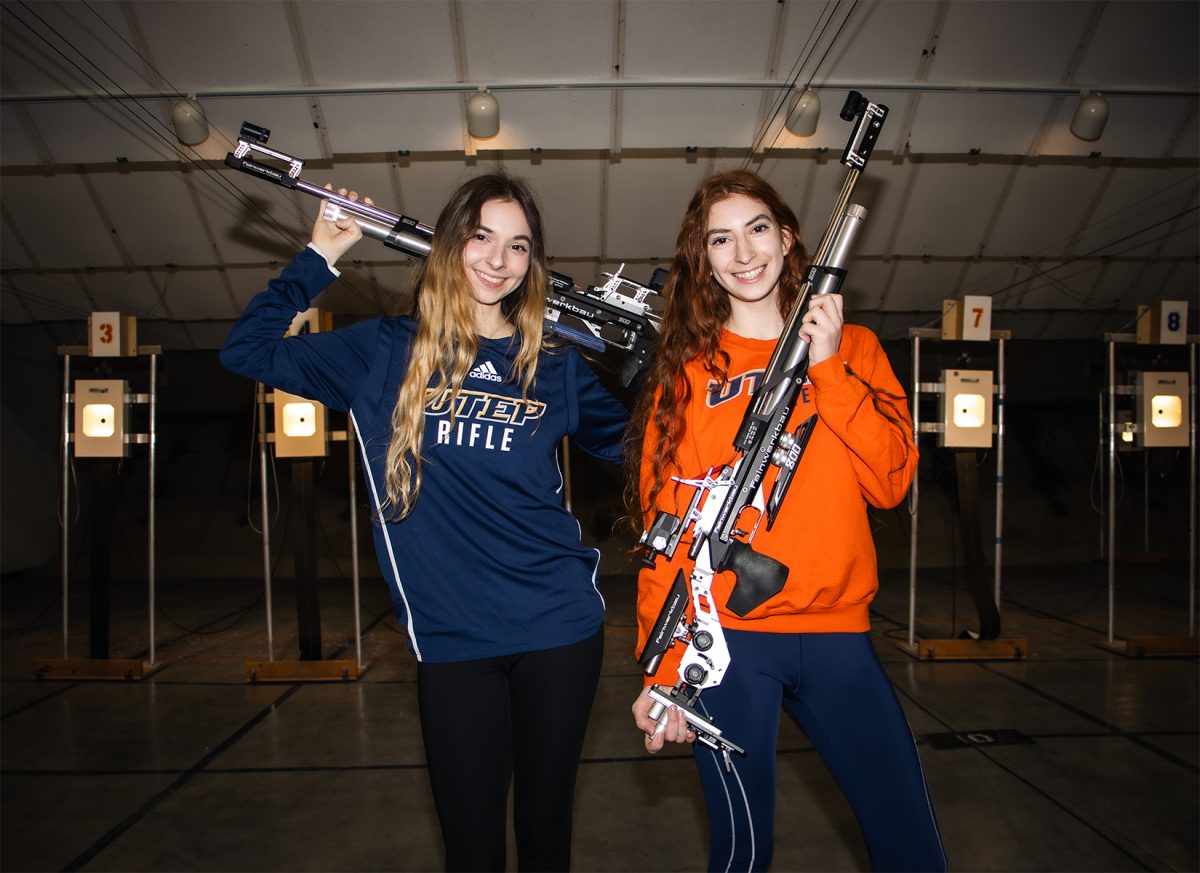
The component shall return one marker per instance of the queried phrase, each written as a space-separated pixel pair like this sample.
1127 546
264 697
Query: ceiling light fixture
191 125
805 113
483 114
1090 116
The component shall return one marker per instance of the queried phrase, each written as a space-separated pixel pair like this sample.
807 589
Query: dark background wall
208 495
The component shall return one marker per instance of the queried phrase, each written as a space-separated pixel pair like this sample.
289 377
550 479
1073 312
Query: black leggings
521 716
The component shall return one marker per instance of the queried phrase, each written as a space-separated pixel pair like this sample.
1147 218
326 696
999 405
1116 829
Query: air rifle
728 503
621 314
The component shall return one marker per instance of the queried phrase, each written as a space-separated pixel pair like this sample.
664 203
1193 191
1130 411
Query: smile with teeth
750 275
490 280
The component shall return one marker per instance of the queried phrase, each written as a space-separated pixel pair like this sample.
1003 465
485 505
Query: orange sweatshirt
854 457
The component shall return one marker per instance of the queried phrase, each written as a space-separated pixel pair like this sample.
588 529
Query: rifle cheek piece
759 577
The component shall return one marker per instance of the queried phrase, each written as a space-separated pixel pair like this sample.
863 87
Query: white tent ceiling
614 109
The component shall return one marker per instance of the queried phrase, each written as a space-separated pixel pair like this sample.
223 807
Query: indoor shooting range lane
1072 759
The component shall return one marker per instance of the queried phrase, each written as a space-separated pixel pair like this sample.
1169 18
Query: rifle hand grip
759 577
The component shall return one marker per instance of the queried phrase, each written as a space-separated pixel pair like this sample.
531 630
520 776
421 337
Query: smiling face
495 257
746 250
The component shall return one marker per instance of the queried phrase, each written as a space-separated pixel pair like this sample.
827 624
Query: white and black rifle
621 314
728 503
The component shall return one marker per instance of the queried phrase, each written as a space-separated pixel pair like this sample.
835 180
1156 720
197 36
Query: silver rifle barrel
834 250
379 224
844 232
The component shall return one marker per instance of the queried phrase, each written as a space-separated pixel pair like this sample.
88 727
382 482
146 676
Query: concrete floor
1077 758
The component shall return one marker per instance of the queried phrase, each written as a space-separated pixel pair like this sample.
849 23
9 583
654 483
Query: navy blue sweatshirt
488 562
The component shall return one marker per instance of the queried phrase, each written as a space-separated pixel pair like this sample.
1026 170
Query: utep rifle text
728 504
621 314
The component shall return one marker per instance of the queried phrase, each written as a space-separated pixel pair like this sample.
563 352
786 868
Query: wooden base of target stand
966 650
102 669
1155 647
304 671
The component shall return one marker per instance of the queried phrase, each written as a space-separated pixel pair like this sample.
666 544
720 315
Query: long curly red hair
697 308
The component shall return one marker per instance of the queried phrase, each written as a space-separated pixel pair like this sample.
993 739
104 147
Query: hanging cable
208 170
786 89
1099 224
801 62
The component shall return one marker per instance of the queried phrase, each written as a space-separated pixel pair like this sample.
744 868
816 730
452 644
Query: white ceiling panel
59 198
883 40
1032 47
15 143
371 95
572 224
135 206
1147 209
412 41
204 44
730 40
959 124
1062 196
665 119
538 40
866 284
425 185
392 122
646 201
1149 42
134 131
68 47
949 209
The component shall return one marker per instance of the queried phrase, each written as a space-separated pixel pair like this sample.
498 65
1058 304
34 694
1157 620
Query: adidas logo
485 371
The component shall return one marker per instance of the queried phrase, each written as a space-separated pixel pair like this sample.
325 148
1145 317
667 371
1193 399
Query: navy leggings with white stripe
835 687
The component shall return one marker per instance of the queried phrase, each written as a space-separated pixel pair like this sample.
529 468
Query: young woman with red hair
736 275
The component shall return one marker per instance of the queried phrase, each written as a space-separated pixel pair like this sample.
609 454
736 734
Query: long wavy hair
445 344
697 308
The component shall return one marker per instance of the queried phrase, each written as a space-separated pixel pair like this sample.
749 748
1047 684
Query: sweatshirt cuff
829 374
325 257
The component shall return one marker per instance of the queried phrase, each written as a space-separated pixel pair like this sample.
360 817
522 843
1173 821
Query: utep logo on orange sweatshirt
743 383
480 419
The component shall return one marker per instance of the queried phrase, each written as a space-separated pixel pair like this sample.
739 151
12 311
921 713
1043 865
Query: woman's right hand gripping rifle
334 238
674 728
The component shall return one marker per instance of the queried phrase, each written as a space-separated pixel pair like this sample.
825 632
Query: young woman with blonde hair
459 413
736 276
